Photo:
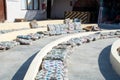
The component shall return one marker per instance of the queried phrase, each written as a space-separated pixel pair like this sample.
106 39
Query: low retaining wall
114 57
34 66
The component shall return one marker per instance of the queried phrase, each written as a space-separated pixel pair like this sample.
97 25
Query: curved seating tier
34 66
114 56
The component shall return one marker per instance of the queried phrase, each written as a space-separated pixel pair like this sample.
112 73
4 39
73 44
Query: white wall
14 11
114 56
59 7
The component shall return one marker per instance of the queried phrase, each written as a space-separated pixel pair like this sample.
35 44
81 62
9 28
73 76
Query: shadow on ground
19 75
105 65
109 26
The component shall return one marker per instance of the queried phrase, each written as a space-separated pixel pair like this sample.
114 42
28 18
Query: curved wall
34 66
114 57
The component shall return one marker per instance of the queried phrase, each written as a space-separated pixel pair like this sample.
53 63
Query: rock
71 26
76 20
2 47
56 54
67 21
33 24
5 45
97 35
117 32
51 70
77 41
27 37
88 28
35 36
84 39
40 32
63 28
52 33
24 42
90 38
77 26
57 29
96 28
51 29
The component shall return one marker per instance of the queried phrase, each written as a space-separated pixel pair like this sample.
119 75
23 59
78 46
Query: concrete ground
91 61
15 62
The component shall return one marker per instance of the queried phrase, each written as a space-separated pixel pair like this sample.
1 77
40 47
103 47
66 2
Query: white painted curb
114 57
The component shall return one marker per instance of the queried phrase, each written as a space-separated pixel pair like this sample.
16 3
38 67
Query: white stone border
34 66
114 57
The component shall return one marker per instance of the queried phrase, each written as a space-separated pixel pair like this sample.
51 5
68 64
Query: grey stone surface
91 61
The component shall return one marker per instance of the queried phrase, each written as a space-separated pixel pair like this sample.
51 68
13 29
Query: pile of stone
27 39
56 54
33 24
110 34
91 28
92 37
53 66
67 27
21 40
54 63
52 70
5 45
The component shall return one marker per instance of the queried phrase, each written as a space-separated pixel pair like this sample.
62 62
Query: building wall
2 10
59 7
14 11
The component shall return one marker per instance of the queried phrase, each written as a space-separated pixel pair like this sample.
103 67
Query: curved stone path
91 62
15 62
